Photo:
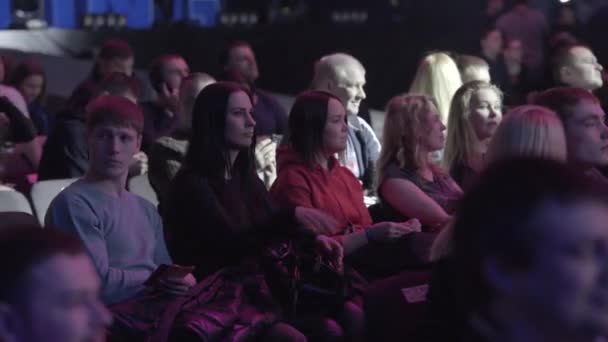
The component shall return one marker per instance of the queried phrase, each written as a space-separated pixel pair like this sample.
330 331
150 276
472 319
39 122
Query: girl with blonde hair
438 77
526 131
475 113
410 184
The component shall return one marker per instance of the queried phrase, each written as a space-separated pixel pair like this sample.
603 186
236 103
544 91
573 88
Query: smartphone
168 271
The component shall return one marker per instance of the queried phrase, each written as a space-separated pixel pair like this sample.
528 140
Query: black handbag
305 282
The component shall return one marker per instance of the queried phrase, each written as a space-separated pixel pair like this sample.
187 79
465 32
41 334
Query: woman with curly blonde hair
438 77
475 113
410 184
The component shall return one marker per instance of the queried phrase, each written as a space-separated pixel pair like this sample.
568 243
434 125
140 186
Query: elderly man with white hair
344 76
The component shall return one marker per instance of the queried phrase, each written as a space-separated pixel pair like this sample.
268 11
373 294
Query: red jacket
336 190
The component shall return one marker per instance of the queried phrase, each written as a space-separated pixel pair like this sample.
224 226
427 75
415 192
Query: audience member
473 68
518 76
525 263
437 76
577 66
220 218
50 289
529 26
30 79
475 113
165 73
409 183
15 128
528 131
115 55
239 65
167 153
122 232
584 124
491 44
310 176
344 76
65 153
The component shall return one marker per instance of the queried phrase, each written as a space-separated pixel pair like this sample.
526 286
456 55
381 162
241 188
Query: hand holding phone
165 271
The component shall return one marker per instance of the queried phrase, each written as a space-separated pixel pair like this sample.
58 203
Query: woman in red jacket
309 175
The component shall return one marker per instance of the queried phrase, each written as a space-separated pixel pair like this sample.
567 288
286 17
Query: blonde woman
475 113
410 184
438 77
528 131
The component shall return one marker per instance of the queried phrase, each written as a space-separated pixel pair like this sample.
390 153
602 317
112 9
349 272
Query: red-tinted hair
109 109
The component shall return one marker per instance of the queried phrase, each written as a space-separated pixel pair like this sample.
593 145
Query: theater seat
140 185
15 219
11 200
43 192
395 307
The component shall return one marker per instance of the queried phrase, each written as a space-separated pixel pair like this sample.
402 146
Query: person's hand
331 249
316 221
139 164
175 285
387 231
169 97
265 154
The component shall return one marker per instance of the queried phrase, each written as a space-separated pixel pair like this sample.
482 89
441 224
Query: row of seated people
218 179
219 217
526 261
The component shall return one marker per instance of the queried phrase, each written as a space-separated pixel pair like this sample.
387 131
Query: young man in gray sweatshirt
121 232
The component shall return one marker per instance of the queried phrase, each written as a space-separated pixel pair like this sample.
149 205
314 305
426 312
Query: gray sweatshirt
123 236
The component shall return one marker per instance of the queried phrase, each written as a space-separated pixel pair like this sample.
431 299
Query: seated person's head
528 253
222 126
167 71
475 113
491 42
577 66
317 126
114 132
412 130
438 77
239 63
343 76
49 289
584 123
528 131
115 55
473 68
119 84
29 78
513 51
189 89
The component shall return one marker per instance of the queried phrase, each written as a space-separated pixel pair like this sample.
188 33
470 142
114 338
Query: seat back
11 200
43 193
16 219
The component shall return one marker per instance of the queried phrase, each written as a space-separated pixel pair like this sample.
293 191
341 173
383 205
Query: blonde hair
404 124
461 135
528 131
438 77
470 67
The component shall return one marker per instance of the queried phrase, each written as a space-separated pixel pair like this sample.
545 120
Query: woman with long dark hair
219 218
